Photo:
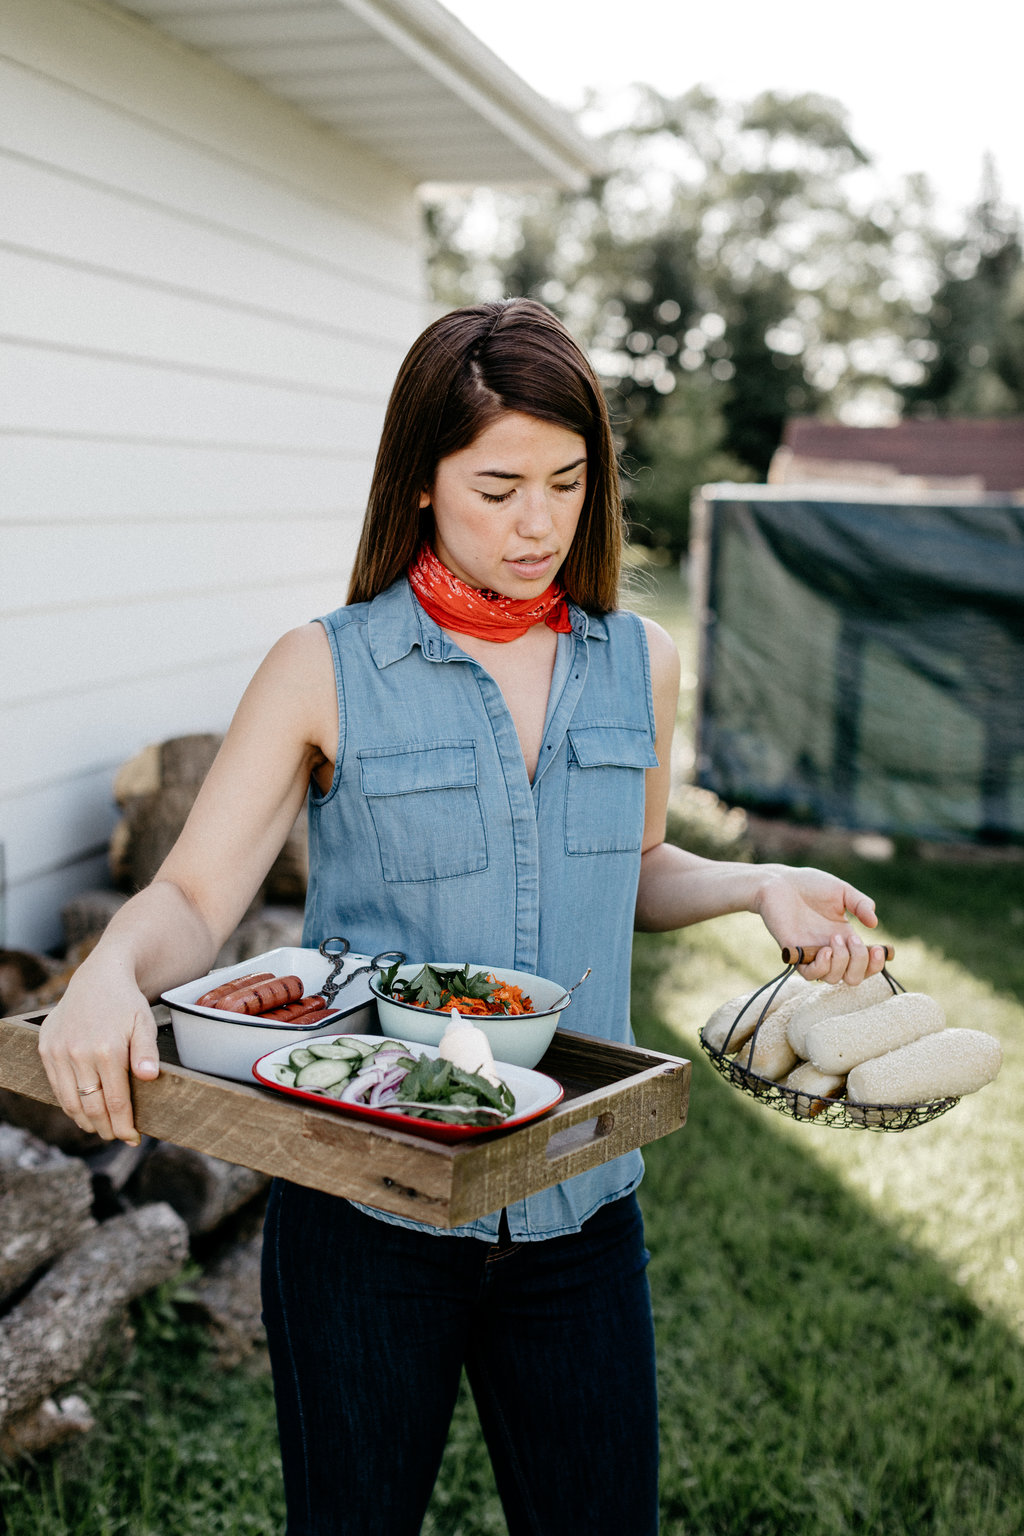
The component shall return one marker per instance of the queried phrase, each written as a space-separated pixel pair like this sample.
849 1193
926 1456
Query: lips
531 563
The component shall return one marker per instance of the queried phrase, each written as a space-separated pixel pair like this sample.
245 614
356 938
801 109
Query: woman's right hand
100 1034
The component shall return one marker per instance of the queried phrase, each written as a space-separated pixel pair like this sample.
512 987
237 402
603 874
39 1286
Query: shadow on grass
818 1374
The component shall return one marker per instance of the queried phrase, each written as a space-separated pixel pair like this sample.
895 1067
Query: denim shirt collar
397 623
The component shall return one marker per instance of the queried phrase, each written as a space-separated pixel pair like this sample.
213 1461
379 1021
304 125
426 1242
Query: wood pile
87 1226
154 792
84 1234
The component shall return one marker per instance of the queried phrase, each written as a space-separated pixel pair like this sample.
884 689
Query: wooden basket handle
803 954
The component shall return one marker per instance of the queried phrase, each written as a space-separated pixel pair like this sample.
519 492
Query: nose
534 520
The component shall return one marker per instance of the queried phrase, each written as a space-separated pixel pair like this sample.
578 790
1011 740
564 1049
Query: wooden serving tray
617 1097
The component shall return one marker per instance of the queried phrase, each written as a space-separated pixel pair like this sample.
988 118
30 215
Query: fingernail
147 1065
132 1141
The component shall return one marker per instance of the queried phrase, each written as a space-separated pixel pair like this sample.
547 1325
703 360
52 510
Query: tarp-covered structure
862 659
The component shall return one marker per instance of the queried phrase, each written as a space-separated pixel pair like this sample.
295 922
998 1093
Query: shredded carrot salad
504 998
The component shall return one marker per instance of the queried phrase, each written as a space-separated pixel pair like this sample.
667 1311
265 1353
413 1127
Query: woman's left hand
809 907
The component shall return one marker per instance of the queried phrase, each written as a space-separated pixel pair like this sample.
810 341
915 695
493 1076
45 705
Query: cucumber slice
324 1074
361 1046
282 1073
300 1057
335 1050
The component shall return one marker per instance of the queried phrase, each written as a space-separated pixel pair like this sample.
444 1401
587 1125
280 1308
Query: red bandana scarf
486 615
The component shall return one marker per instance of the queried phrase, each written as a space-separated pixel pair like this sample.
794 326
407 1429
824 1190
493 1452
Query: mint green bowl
520 1039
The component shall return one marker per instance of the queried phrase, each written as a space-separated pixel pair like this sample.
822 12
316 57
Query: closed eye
572 485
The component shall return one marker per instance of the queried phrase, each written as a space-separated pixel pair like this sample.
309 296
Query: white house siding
203 301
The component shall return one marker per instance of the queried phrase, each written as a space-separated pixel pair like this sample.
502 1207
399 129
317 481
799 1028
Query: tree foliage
731 268
972 344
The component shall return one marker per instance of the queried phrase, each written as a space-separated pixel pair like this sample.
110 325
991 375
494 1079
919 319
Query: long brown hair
464 371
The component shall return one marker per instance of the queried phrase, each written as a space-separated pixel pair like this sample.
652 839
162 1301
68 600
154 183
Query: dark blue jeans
370 1325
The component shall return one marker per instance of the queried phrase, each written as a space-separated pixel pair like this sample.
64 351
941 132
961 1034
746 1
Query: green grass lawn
840 1313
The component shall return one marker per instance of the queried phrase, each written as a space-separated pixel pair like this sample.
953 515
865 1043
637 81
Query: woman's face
506 508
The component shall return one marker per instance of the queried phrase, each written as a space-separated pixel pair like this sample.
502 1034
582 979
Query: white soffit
403 78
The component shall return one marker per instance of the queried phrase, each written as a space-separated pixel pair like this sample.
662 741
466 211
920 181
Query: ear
424 499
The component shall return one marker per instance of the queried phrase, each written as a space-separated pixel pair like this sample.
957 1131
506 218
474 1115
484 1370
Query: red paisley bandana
487 615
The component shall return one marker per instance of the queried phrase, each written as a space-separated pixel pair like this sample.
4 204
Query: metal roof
403 78
990 449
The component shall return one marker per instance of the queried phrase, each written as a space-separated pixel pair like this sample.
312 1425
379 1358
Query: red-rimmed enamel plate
535 1093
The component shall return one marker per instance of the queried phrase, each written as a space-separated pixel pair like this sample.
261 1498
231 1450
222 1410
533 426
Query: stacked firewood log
85 1232
87 1226
154 792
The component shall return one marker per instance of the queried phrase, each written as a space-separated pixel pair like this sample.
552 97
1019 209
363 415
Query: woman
484 740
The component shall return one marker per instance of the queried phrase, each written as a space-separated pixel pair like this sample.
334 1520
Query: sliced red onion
357 1087
385 1089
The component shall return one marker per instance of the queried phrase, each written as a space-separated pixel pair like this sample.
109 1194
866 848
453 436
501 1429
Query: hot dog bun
845 1040
828 1000
939 1066
806 1079
768 1052
717 1029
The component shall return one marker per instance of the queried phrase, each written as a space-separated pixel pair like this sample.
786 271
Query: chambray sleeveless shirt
432 840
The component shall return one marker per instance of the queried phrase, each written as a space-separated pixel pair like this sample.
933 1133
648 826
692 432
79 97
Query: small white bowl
226 1044
521 1038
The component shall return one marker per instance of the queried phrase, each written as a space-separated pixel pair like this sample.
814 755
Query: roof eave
497 130
437 41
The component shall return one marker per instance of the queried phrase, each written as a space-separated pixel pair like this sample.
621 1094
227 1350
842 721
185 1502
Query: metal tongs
332 986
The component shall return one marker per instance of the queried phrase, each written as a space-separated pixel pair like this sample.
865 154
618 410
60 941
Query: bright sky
929 87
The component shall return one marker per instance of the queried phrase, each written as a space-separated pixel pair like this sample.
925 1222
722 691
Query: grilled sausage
263 995
292 1011
212 999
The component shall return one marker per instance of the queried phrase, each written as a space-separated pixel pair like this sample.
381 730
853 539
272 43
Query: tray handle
580 1137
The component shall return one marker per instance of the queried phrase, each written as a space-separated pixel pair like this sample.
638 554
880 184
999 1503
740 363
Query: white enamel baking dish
227 1044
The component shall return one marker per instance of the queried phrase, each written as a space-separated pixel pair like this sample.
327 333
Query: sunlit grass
839 1349
956 1186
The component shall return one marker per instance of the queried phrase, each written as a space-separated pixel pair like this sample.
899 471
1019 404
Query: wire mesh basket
816 1108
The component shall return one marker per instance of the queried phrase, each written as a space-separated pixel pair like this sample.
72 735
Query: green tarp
862 661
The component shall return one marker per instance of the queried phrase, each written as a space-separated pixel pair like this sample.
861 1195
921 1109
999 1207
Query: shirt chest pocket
604 790
425 807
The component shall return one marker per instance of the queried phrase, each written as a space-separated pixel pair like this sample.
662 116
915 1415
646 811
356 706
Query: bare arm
284 728
798 906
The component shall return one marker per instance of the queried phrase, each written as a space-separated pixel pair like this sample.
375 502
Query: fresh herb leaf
437 989
387 978
436 1080
426 987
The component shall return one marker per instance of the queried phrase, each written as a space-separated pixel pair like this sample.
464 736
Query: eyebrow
502 474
